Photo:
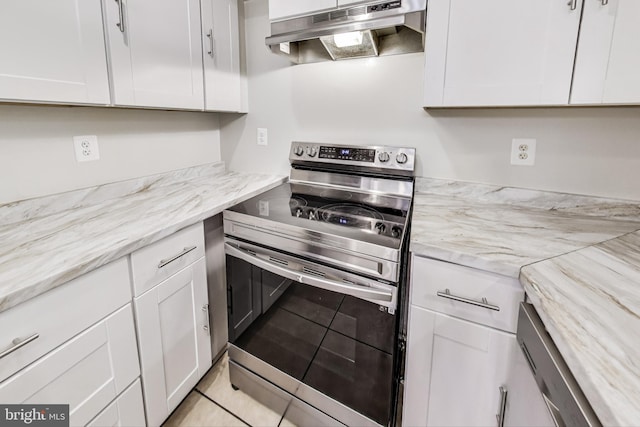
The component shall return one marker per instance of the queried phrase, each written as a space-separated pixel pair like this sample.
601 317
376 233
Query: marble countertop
589 301
502 229
578 259
48 241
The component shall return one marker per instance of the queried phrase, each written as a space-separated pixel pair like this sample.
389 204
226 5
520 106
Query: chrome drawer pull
205 309
483 303
120 24
17 344
211 51
173 258
503 407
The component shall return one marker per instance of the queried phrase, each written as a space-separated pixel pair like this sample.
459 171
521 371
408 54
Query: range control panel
374 157
348 153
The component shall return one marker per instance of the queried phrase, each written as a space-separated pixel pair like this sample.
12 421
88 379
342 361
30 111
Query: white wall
592 151
37 155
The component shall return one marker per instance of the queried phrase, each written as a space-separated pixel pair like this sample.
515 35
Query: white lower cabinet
455 370
173 336
525 406
460 368
88 372
126 411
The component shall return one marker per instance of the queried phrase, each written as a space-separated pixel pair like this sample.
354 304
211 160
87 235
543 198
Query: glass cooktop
371 217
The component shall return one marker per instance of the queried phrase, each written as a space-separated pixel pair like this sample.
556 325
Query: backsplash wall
37 156
593 151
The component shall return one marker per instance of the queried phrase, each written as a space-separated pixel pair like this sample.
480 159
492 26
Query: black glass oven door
339 344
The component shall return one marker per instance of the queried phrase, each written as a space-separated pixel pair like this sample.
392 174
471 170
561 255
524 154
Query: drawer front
63 312
470 292
126 410
157 262
87 373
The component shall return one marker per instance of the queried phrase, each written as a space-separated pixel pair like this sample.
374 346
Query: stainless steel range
315 269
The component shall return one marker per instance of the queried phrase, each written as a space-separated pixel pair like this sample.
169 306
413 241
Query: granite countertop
48 241
578 259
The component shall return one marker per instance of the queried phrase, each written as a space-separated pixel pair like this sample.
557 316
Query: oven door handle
358 291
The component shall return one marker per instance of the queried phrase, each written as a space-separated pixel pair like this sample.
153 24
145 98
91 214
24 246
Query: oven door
325 336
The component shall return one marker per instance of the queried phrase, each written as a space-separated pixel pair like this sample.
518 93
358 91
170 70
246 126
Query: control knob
401 158
396 231
298 150
312 151
298 213
383 157
313 215
380 228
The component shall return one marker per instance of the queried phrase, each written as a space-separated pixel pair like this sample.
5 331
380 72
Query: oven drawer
162 259
479 296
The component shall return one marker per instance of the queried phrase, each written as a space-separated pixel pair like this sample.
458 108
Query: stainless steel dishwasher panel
561 393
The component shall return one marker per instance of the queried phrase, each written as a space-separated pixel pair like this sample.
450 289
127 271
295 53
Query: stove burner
297 202
350 214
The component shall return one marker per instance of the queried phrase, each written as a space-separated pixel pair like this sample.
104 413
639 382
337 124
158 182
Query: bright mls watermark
34 415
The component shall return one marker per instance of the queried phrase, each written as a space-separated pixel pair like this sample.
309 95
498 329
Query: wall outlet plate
86 147
523 151
262 136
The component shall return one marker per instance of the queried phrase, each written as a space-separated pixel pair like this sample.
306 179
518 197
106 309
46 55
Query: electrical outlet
262 136
523 151
86 147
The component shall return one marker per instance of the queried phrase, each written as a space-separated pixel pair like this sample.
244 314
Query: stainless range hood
372 29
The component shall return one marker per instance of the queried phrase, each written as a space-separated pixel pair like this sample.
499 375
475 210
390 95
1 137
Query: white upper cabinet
221 55
500 52
608 56
279 9
155 53
53 51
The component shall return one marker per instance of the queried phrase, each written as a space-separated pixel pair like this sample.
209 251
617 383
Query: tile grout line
219 405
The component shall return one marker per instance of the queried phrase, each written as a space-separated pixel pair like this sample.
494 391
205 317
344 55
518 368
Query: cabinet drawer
60 314
86 373
157 262
430 280
126 410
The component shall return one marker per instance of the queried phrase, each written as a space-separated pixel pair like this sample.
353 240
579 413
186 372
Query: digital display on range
353 154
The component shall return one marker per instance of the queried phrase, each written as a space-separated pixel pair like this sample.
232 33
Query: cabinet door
454 370
87 372
608 51
155 53
221 55
279 9
499 52
53 51
173 336
524 405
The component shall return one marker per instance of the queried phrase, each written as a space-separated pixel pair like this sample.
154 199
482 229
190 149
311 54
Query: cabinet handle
17 344
605 2
483 303
120 15
175 257
205 308
573 4
210 35
503 406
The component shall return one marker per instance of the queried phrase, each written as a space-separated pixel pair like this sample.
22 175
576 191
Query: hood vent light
376 29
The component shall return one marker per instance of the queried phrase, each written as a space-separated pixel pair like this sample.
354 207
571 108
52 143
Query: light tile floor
214 403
